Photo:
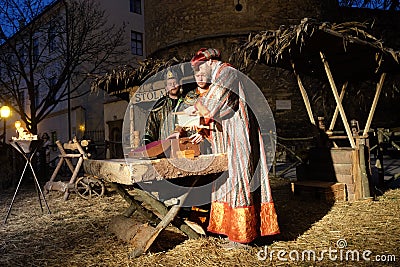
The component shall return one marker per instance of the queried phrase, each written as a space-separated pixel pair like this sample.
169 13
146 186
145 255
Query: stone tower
181 26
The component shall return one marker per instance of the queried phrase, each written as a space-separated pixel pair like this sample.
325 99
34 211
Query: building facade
90 114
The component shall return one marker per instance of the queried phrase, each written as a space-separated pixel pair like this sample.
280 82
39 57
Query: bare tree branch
41 52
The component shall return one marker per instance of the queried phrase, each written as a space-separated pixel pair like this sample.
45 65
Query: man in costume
237 210
160 124
187 106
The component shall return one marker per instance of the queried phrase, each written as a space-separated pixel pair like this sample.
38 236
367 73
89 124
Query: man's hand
196 138
174 136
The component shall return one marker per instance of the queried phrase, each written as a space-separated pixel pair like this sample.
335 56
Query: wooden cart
121 173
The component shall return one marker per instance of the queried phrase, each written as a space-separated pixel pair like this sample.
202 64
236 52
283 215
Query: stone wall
169 23
180 28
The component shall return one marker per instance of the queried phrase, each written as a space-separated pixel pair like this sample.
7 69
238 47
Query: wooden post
379 159
363 168
374 104
337 99
82 156
73 177
50 184
335 114
131 125
305 96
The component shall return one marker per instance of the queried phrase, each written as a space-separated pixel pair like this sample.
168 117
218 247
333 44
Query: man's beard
174 92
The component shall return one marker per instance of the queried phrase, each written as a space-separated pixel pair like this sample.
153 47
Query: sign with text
150 92
148 96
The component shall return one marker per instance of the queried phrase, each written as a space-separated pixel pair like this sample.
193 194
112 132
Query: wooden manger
120 173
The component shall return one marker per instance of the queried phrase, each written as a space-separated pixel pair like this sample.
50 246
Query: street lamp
5 112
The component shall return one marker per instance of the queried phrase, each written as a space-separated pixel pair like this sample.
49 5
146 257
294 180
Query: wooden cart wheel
88 187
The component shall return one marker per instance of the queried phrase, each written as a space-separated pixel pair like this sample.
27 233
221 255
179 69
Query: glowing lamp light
82 127
17 124
5 111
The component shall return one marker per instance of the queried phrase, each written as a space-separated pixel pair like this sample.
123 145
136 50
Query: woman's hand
196 138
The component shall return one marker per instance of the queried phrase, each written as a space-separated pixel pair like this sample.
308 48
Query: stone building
180 28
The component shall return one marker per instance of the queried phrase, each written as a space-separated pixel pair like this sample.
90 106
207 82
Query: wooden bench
326 191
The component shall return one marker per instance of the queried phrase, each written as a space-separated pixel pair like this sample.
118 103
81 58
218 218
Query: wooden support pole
73 177
374 104
337 99
305 96
70 156
363 168
162 210
335 114
62 151
134 204
57 169
143 241
131 125
379 159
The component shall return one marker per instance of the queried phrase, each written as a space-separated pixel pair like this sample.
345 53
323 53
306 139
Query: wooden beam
134 204
162 210
337 99
374 104
73 177
143 240
131 125
131 171
305 96
62 151
335 114
363 168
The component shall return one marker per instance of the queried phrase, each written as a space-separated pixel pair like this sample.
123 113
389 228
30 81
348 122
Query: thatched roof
120 80
351 51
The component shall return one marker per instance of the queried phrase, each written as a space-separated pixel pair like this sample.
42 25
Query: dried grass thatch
119 80
352 52
76 233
